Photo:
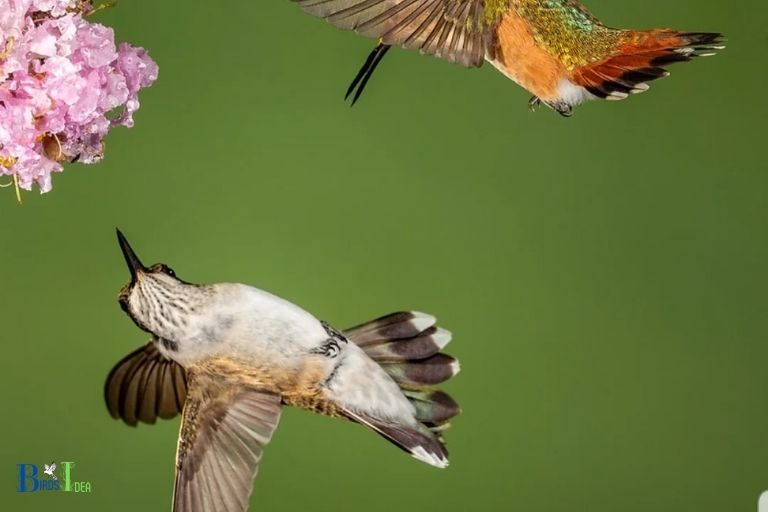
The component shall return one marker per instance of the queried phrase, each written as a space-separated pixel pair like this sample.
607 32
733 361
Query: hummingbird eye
165 269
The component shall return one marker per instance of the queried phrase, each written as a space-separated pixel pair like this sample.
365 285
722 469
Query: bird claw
564 110
561 108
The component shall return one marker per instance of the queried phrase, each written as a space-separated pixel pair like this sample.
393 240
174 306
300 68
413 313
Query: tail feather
426 344
396 326
433 407
420 442
641 58
407 346
426 372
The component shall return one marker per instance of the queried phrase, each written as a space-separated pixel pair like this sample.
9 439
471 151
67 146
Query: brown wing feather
145 386
224 429
455 30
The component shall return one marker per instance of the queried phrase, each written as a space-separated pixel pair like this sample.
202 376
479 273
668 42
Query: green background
604 276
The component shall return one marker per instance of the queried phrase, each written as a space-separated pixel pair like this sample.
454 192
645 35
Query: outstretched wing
455 30
144 386
223 432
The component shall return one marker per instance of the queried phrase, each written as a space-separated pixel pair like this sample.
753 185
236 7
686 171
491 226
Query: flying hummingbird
556 49
228 356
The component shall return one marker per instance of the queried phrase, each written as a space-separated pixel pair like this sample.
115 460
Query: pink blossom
60 77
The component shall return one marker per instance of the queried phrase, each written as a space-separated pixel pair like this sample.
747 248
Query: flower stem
15 184
101 7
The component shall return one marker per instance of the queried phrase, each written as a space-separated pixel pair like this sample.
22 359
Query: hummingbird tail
641 58
407 345
419 441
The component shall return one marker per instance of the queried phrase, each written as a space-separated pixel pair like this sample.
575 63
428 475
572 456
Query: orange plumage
556 49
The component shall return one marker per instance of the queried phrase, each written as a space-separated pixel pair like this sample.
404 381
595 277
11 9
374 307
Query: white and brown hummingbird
556 49
229 356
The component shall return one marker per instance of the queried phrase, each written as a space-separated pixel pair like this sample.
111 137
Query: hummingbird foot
561 107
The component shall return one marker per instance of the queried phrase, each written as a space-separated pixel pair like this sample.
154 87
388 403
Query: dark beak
133 261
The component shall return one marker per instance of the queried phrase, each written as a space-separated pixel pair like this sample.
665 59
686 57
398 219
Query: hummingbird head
155 299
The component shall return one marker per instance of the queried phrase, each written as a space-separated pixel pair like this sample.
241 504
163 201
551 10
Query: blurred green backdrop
604 276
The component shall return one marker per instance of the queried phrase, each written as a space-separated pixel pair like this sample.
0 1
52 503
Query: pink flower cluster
63 85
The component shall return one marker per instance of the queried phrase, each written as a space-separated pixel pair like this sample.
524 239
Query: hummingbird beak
133 261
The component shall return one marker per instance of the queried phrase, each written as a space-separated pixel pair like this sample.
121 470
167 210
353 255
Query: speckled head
155 299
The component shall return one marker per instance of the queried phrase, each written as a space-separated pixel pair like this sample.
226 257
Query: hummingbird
228 357
555 49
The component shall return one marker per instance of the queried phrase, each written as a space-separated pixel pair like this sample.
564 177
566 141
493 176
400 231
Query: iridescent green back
568 30
493 11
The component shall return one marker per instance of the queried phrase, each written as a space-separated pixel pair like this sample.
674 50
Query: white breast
360 384
243 321
266 319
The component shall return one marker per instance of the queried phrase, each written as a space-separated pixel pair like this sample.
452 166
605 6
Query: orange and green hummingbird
556 49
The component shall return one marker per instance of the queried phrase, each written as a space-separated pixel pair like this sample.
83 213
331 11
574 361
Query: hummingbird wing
224 429
144 386
454 30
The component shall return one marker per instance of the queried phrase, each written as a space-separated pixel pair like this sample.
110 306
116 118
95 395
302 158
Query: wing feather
144 386
223 433
454 30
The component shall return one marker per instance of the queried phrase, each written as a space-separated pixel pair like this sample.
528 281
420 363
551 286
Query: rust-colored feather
640 58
